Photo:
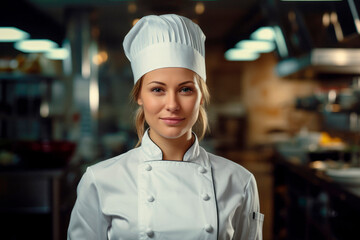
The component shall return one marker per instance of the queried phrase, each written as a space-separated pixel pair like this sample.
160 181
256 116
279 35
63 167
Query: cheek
151 105
192 106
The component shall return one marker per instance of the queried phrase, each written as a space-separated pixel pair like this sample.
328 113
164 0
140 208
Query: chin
173 133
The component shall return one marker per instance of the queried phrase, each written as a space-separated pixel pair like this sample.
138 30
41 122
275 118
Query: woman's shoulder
224 166
124 160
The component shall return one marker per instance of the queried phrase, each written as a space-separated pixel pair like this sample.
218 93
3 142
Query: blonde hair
201 126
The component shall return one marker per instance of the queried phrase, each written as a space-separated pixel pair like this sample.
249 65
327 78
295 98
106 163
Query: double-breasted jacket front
137 195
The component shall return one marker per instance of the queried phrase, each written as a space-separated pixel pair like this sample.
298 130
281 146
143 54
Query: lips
172 120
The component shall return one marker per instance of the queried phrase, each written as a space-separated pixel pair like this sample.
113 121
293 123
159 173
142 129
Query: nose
172 103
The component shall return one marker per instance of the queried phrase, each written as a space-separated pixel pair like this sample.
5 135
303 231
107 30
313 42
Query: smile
172 121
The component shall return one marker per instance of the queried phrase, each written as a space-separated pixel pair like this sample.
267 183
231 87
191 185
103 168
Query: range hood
323 60
337 60
320 36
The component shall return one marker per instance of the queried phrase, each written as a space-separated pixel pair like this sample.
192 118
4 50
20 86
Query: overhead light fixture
235 54
199 8
35 45
326 19
132 8
100 58
273 34
57 54
260 46
12 34
263 33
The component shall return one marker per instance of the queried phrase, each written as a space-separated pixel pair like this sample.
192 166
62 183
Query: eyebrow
183 83
161 83
156 82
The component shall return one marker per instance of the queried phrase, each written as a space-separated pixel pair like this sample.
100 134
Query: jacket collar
153 152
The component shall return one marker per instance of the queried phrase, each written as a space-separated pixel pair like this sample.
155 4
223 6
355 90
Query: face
171 100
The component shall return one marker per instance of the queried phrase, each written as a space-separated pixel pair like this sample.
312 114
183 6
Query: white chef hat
165 41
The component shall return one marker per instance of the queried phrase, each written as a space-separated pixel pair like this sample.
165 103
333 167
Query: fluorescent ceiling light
263 33
57 54
32 45
235 54
12 34
256 45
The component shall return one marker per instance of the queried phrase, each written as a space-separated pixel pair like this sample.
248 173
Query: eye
186 90
156 90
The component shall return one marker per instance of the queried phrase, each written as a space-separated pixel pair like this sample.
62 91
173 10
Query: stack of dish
349 176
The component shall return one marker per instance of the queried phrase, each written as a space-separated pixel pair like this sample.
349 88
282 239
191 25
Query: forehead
170 74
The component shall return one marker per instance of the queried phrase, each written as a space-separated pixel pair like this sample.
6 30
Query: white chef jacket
137 195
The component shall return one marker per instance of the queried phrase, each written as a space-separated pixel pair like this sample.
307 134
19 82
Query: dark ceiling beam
25 16
253 19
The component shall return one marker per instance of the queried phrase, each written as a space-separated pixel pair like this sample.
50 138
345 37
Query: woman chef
169 187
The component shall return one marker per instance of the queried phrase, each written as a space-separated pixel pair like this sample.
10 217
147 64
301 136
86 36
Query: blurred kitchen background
284 78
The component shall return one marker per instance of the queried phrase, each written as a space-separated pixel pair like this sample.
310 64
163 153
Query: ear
140 101
202 100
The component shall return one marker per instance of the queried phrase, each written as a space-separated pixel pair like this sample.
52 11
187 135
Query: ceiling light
235 54
333 17
263 33
12 34
132 8
256 45
57 54
35 45
100 58
326 19
199 8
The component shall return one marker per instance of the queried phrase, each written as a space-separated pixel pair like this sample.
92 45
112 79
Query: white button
148 167
205 196
150 198
149 232
208 228
202 170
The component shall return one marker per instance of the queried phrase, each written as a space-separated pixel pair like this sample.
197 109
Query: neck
174 149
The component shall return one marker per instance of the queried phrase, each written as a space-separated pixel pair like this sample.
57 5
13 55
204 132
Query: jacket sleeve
248 220
87 221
